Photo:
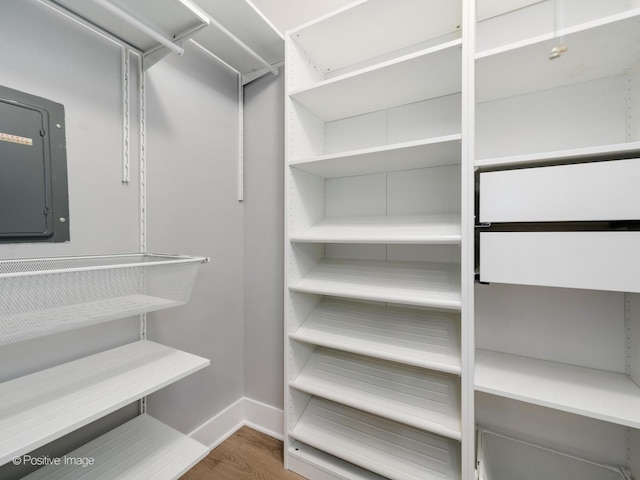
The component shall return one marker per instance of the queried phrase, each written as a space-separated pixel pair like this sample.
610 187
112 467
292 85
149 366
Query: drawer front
582 192
590 260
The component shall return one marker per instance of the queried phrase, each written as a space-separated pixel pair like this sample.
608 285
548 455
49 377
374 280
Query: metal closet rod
143 27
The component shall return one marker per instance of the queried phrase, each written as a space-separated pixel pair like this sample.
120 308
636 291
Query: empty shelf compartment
387 448
524 66
43 296
504 458
608 396
48 404
409 229
142 448
430 73
414 283
383 28
406 394
415 337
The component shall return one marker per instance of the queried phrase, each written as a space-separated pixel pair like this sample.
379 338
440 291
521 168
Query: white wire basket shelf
42 296
504 458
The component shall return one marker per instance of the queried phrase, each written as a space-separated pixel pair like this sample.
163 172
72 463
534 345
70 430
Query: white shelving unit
48 295
141 448
538 117
373 208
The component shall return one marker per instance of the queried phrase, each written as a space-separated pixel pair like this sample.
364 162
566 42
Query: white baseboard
244 411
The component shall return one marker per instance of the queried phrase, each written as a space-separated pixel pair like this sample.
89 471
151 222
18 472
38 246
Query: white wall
263 240
193 208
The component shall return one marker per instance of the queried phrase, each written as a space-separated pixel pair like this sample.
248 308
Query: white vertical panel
424 191
306 132
632 337
424 253
301 70
362 131
577 327
633 452
588 191
574 434
306 205
591 260
633 107
351 196
303 257
430 118
347 251
582 115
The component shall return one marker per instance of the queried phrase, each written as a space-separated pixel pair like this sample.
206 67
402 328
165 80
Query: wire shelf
504 458
42 296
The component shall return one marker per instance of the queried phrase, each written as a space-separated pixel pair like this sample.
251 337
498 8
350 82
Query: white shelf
597 49
426 153
420 338
413 229
176 20
372 28
599 152
46 405
430 73
405 394
607 396
414 283
142 448
382 446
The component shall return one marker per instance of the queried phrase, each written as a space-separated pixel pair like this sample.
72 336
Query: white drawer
590 260
581 192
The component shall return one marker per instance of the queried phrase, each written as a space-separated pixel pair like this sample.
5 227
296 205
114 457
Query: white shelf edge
315 379
316 330
416 229
380 66
361 287
457 137
140 448
59 400
611 397
584 153
550 36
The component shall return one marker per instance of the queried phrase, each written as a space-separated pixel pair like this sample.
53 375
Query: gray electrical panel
34 204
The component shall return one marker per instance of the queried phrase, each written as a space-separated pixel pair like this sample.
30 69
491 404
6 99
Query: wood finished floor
246 455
